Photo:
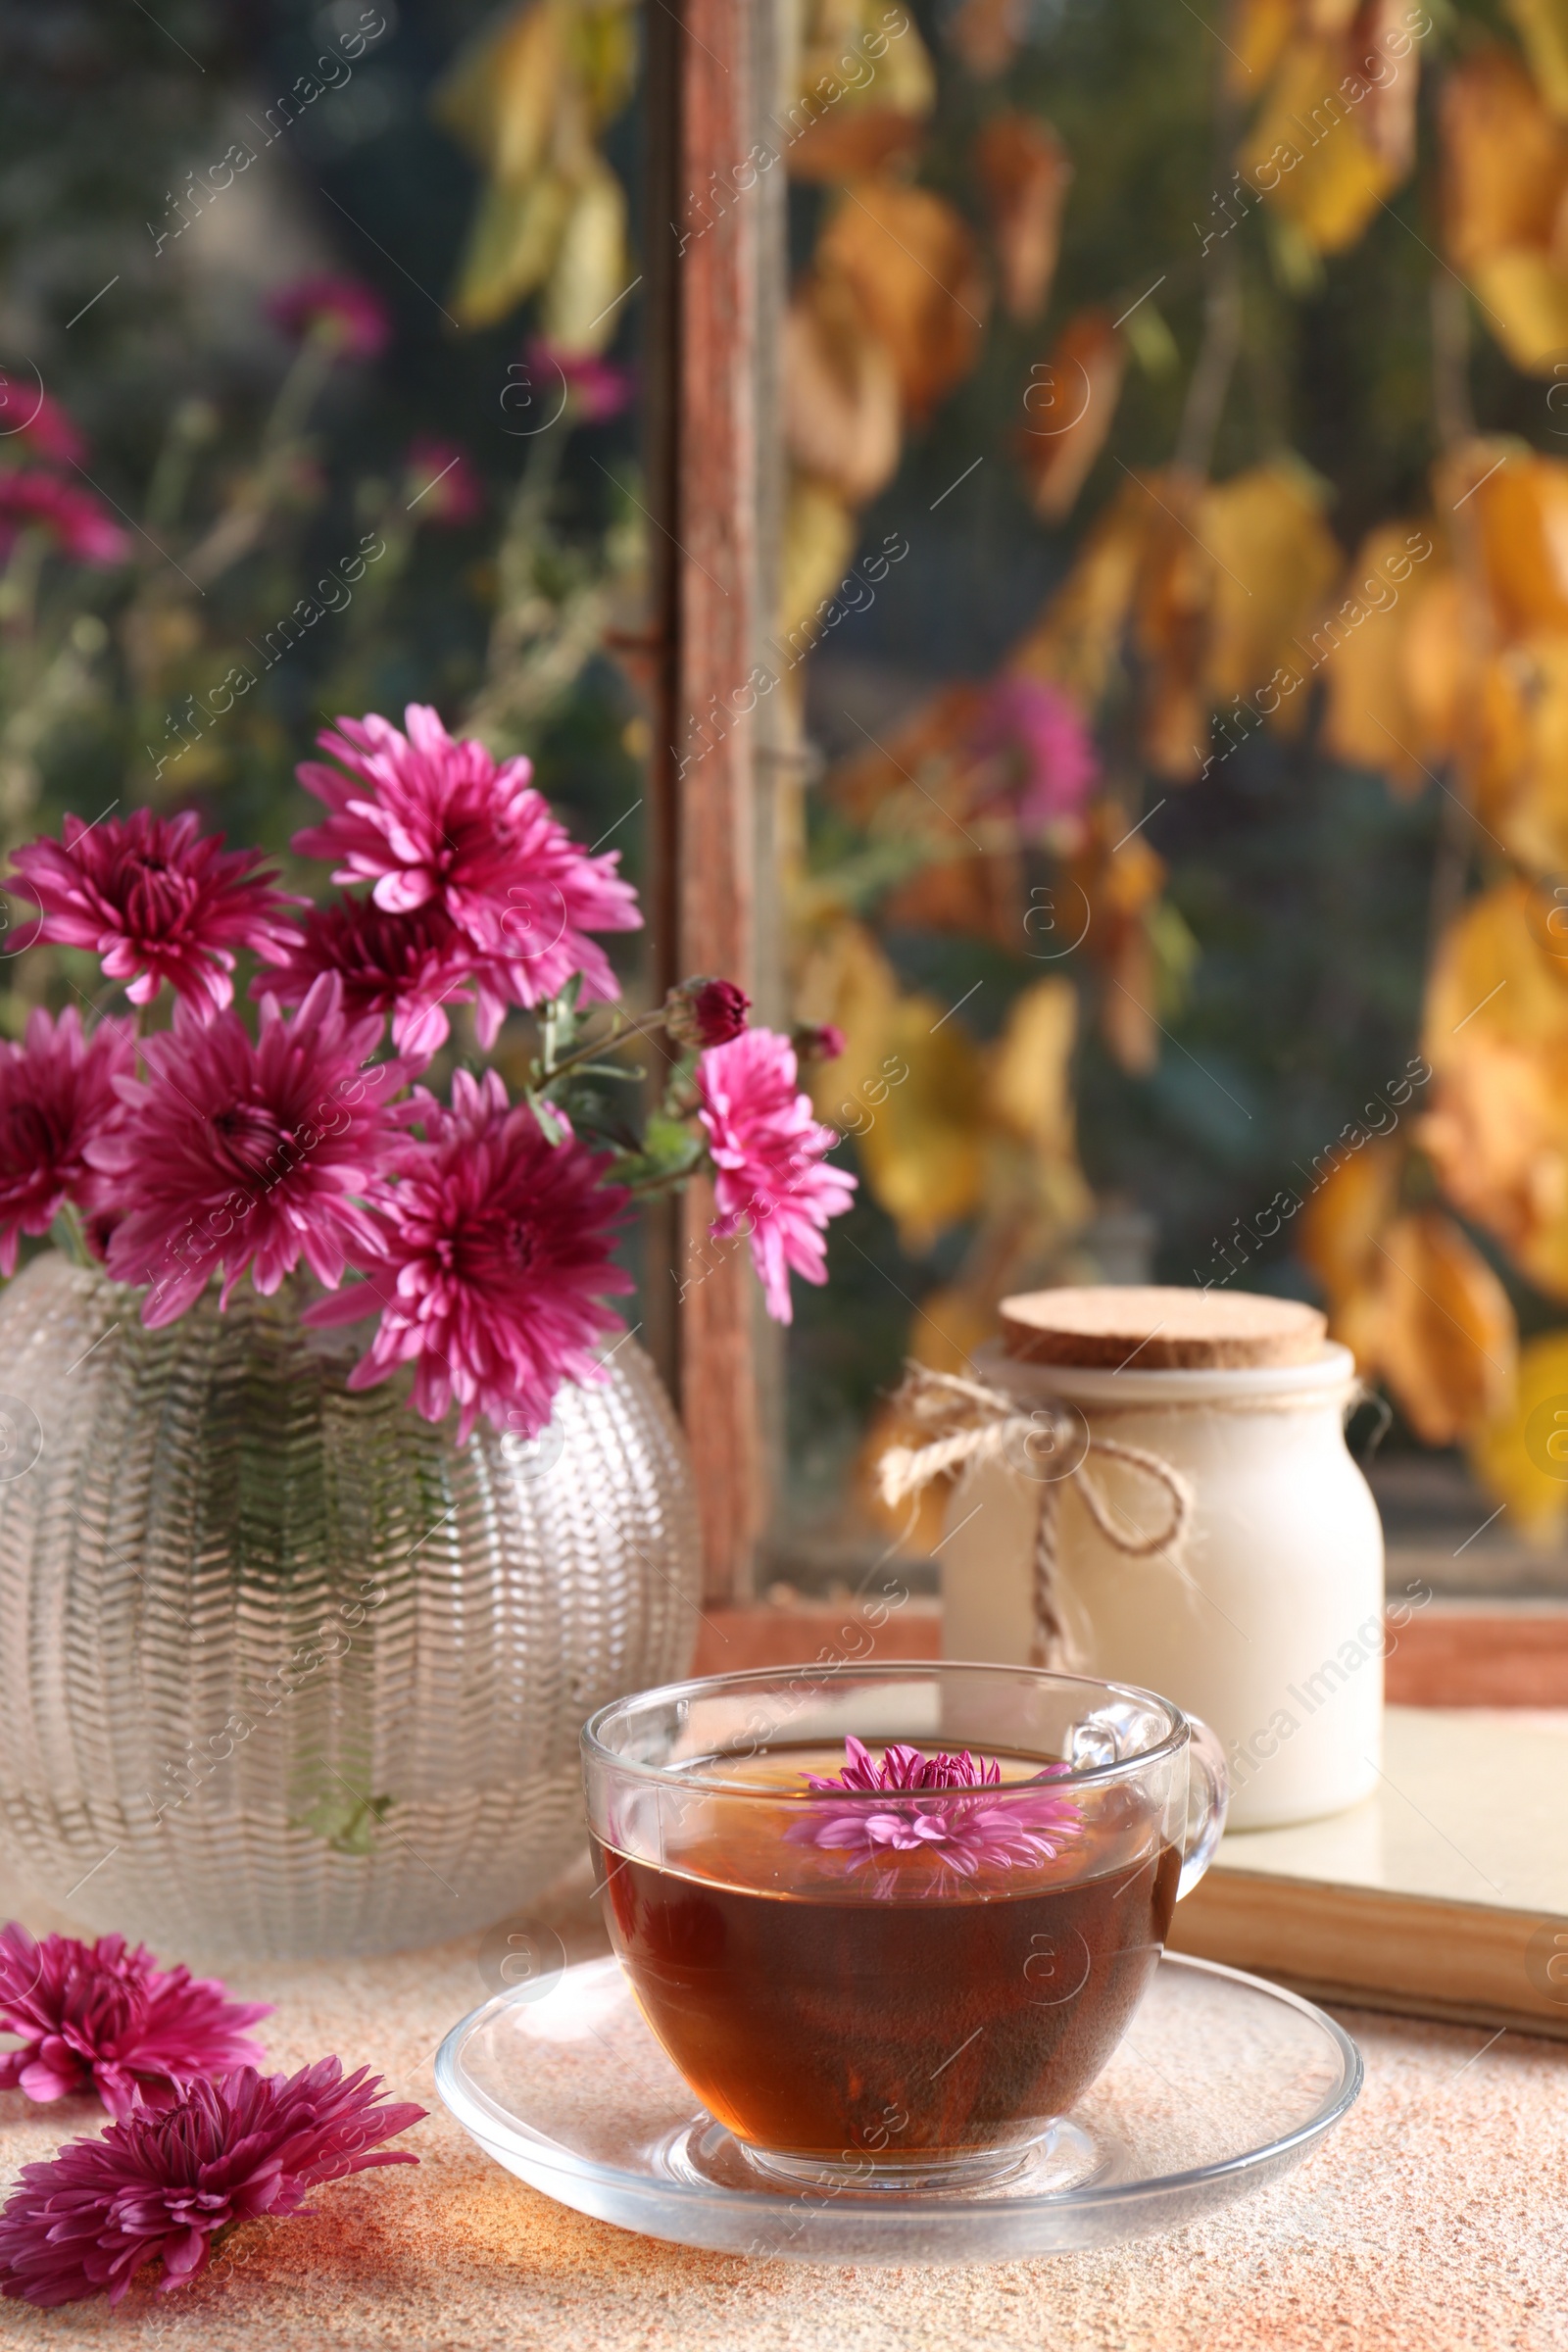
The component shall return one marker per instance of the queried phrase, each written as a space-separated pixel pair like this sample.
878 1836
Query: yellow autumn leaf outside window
1497 1038
1521 1456
1309 153
1374 718
528 98
1275 560
1436 1324
911 260
924 1152
1543 27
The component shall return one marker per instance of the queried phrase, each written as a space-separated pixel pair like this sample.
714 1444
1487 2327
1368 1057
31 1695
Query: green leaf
347 1823
671 1151
550 1126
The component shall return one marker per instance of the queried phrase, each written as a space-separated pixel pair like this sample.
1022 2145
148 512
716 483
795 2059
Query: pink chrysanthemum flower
774 1182
950 1821
158 901
56 1095
442 485
430 820
79 523
597 388
97 2017
244 1156
33 423
164 2186
343 311
1045 751
495 1262
820 1041
410 966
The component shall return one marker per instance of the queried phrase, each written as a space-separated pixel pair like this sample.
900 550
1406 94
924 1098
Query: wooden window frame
714 266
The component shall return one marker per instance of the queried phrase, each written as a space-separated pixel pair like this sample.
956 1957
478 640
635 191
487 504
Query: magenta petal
495 1260
43 2082
352 1304
402 893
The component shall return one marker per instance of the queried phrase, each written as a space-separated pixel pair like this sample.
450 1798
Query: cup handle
1208 1795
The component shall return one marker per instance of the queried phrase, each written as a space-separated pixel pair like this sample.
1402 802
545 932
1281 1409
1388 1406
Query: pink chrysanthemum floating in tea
165 2186
157 901
98 2017
955 1810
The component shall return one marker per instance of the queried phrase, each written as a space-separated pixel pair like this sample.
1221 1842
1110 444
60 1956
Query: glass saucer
1222 2085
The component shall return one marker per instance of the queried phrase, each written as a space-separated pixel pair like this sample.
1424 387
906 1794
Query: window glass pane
322 396
1181 853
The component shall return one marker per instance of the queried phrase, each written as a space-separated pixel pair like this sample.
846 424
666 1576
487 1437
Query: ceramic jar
1269 1626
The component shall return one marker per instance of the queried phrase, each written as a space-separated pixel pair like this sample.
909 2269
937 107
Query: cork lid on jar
1159 1329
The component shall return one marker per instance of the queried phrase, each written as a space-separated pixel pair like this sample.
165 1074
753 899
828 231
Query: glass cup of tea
890 1921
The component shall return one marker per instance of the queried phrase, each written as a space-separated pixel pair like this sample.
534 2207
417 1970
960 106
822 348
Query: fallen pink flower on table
165 2186
97 2017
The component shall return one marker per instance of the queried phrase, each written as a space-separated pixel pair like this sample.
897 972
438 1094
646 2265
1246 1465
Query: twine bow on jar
971 1423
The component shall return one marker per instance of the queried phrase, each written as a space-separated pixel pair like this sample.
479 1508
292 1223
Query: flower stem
550 1069
67 1229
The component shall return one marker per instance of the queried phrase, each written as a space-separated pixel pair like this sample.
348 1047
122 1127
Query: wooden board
1444 1895
1444 1656
1111 1326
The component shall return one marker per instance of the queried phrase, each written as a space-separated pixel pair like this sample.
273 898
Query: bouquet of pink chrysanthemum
478 1231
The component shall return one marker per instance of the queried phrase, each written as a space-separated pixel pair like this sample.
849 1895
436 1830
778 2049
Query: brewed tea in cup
890 1922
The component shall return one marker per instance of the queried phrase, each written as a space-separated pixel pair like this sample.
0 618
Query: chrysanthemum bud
818 1042
702 1012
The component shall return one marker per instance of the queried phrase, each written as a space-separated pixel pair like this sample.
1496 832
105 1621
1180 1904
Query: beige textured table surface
1436 2217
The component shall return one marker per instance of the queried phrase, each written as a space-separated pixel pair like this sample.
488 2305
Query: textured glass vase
283 1670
